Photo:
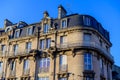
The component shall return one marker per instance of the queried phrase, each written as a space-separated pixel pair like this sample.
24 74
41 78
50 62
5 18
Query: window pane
48 42
64 24
87 61
16 34
87 37
28 47
15 49
3 48
46 28
87 21
12 66
1 67
29 31
63 39
26 64
42 44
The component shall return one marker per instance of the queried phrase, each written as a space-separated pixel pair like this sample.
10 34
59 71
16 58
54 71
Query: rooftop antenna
68 7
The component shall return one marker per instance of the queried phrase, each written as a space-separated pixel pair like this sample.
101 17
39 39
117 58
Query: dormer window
46 28
64 23
29 31
87 21
17 33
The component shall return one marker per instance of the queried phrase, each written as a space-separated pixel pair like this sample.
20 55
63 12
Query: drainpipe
38 36
54 54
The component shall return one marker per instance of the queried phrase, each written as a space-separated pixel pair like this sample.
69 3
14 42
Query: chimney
61 12
46 14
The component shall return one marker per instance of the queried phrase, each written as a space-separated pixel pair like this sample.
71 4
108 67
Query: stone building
115 72
69 47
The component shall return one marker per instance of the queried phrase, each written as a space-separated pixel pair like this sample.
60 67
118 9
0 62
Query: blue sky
107 12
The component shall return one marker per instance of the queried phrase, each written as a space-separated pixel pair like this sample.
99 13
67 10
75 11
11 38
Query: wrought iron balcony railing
63 68
12 73
19 53
26 71
43 69
86 44
3 53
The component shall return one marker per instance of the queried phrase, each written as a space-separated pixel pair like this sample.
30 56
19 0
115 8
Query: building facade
115 72
70 47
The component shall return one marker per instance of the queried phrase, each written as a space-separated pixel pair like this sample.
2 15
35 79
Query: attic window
46 28
64 23
17 33
87 21
29 31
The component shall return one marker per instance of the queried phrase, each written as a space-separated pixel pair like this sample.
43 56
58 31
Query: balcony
1 74
83 44
21 53
26 36
44 70
3 54
63 68
26 72
12 73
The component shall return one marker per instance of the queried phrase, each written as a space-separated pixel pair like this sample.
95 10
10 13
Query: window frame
86 36
42 44
88 64
26 64
1 67
46 28
87 20
30 30
64 23
15 49
3 49
48 42
28 46
17 33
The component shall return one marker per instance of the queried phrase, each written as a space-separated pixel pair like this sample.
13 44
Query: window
15 49
17 33
87 21
48 42
45 43
63 63
26 67
46 28
108 71
62 78
63 39
87 36
12 66
3 49
89 78
1 67
42 44
29 31
43 78
100 42
101 66
64 23
44 65
88 61
28 47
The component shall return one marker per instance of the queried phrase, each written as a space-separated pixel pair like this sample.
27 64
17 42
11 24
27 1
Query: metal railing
12 73
63 68
26 71
24 52
86 44
3 54
43 69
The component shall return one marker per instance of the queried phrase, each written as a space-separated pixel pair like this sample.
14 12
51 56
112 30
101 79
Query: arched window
87 61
